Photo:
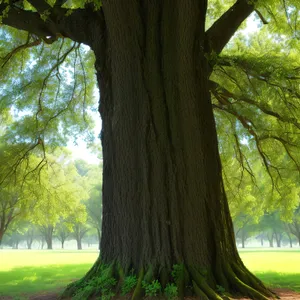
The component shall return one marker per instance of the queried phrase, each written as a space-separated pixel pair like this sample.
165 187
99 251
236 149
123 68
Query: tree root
107 281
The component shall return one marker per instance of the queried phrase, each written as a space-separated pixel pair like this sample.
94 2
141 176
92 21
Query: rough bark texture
163 196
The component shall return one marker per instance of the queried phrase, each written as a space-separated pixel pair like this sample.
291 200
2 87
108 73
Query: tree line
61 200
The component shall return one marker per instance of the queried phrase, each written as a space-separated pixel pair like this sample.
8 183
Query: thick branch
28 21
77 26
40 5
219 34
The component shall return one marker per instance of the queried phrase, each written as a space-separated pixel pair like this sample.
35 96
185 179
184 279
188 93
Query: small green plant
102 284
220 289
171 291
152 289
177 272
128 284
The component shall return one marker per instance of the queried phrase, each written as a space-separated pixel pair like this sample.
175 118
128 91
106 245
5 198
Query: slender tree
157 64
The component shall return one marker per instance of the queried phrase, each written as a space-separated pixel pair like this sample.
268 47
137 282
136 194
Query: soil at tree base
284 294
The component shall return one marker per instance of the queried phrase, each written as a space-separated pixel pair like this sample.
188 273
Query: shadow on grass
30 280
280 280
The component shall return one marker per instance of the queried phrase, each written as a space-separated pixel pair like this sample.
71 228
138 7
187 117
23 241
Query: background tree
63 231
294 225
78 220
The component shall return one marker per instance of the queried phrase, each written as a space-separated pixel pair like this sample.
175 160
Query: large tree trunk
163 197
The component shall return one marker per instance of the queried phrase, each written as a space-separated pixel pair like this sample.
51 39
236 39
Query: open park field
24 273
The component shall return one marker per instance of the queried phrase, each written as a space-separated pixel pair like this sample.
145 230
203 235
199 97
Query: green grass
275 268
30 272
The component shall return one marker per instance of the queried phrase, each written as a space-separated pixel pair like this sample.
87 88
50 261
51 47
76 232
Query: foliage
103 284
177 272
171 291
220 289
128 284
153 288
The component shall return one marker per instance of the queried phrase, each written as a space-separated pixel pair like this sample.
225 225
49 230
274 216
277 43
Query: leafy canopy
49 92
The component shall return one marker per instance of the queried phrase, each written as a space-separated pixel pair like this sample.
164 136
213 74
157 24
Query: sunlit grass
275 268
30 272
22 258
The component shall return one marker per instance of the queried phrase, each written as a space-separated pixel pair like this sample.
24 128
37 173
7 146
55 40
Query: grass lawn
29 272
275 268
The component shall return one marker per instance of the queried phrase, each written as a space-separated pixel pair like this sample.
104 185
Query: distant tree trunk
17 244
270 239
244 237
29 244
294 229
62 244
271 243
290 240
1 237
47 232
49 244
99 238
278 238
79 245
261 240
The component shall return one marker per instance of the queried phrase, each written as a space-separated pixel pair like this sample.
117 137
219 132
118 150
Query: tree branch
262 18
219 34
28 21
77 26
40 5
223 95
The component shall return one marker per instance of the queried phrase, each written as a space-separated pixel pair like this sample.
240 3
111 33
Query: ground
41 275
285 294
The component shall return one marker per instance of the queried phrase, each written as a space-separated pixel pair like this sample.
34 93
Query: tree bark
163 197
